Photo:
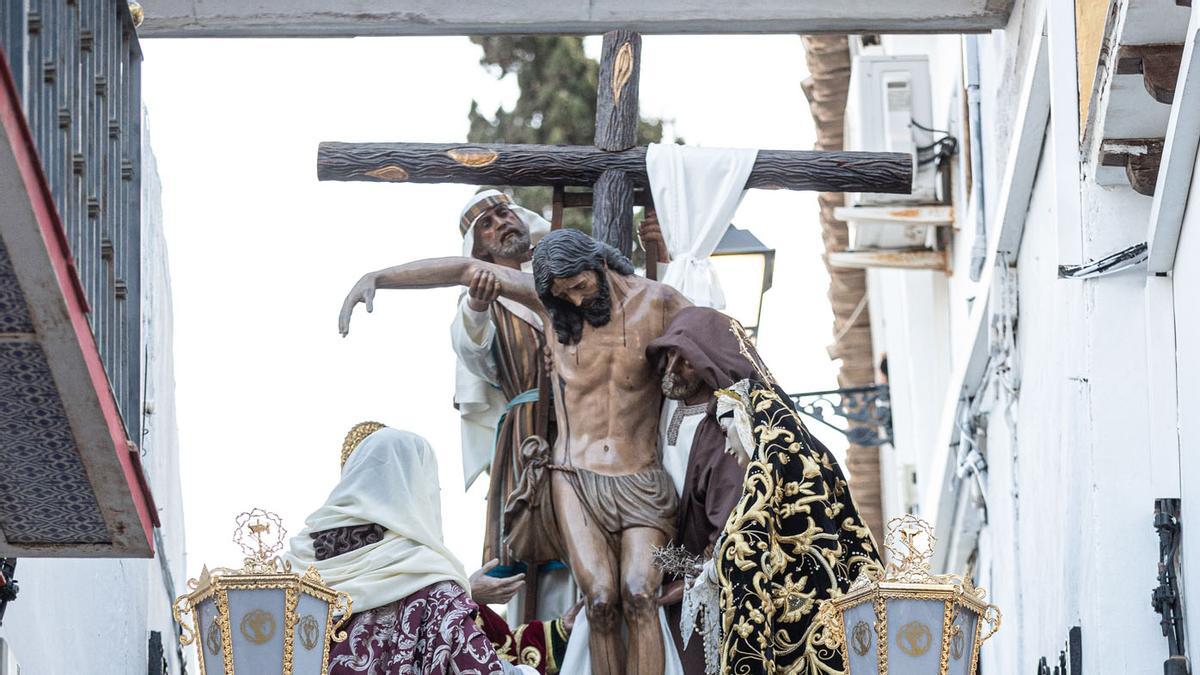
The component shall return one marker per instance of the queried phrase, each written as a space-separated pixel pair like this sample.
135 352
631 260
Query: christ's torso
607 395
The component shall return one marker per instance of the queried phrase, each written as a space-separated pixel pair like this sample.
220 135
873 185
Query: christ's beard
512 247
677 389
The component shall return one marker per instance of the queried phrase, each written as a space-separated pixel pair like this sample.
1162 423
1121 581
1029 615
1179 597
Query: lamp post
746 268
262 619
907 620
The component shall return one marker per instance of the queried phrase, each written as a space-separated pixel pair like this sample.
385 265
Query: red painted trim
53 234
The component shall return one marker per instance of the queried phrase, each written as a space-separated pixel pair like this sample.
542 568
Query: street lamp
746 267
263 618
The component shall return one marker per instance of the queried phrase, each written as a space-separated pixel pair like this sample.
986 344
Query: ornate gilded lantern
908 621
263 618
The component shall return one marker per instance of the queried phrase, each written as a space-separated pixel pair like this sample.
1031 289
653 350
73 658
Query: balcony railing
77 66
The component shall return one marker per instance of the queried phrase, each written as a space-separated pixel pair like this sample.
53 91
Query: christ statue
613 501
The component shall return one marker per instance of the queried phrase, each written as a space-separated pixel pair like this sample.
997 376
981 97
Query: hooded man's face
680 381
500 233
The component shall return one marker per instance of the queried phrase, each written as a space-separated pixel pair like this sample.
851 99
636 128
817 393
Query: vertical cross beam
616 129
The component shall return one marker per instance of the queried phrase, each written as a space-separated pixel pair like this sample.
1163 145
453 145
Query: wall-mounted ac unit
889 109
888 94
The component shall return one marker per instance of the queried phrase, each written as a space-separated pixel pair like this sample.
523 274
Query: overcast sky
262 254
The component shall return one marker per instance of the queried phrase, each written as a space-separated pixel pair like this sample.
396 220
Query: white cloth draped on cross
696 192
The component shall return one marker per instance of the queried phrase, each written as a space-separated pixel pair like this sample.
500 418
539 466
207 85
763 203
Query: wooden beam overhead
334 18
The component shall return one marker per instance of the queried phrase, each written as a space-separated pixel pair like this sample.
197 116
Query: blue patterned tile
45 495
14 313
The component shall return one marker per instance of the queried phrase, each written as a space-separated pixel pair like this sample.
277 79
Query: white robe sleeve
476 395
472 335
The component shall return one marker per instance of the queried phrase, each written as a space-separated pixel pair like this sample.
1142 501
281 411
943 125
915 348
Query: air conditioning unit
890 109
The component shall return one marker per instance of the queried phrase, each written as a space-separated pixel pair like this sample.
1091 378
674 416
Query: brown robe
712 484
517 350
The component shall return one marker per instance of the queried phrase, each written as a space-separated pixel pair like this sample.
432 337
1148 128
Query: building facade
1041 342
91 518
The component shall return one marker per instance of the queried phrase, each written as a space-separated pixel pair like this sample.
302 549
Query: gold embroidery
793 539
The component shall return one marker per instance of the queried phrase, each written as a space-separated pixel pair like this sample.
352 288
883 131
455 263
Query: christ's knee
602 608
639 601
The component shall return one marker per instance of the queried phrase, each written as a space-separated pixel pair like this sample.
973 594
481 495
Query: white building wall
95 616
1186 279
1071 479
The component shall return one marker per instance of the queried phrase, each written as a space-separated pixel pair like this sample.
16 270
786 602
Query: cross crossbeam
581 165
614 167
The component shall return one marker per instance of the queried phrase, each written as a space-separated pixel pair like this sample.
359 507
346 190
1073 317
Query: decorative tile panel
45 495
14 313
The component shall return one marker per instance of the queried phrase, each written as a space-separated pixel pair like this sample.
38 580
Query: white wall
95 616
1187 340
1071 480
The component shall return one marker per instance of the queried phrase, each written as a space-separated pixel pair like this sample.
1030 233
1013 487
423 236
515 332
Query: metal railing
77 64
867 411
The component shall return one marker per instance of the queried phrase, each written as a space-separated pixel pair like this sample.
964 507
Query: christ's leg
595 570
640 582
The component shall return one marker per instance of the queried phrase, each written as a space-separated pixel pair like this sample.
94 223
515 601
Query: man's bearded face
680 381
588 291
500 233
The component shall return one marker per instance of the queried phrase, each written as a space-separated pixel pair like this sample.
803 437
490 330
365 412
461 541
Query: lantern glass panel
256 623
962 641
308 647
742 277
914 631
211 643
862 647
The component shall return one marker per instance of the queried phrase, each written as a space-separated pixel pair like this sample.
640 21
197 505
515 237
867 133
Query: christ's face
680 381
499 233
579 290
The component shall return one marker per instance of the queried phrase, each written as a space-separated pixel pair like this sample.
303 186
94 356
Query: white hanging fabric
696 192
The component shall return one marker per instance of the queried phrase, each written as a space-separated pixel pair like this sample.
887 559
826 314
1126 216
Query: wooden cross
613 167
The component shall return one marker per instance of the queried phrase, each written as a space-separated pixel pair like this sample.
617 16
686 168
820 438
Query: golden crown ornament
264 618
907 620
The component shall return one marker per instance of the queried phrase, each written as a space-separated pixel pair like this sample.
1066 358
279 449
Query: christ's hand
364 292
483 290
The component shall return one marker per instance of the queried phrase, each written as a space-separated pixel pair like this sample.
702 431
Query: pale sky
262 254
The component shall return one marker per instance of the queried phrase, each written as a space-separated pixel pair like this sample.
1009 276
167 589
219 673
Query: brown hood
703 337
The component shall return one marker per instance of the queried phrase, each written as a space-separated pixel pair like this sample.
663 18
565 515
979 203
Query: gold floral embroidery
793 539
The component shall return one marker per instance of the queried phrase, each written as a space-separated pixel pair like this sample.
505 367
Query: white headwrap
391 480
538 226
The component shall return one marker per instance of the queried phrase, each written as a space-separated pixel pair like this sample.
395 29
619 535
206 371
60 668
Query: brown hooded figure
699 350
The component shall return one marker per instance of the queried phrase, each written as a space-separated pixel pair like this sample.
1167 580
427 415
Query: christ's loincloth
617 503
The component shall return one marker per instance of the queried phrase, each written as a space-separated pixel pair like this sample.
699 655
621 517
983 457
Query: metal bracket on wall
1166 598
868 409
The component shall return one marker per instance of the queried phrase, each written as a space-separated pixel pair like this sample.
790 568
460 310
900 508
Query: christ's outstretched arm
438 273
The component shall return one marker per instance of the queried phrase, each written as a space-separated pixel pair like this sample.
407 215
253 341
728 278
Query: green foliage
557 105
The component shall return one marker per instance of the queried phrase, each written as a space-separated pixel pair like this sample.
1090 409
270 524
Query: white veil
391 480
